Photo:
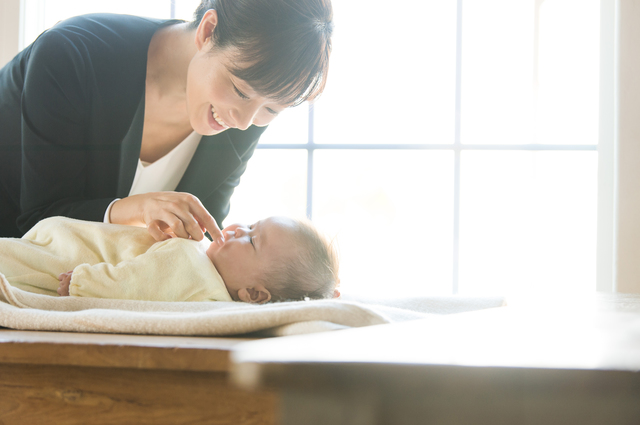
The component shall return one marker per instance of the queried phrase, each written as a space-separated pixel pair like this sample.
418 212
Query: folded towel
28 311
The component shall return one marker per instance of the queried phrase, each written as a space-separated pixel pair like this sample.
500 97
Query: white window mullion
605 268
310 146
456 167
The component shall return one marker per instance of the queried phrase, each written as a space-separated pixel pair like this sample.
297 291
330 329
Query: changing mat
29 311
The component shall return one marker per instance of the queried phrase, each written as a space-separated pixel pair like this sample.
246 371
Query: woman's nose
243 118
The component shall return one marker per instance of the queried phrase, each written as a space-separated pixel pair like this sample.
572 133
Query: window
453 151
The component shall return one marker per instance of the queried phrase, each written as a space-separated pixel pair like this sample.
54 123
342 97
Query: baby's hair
312 272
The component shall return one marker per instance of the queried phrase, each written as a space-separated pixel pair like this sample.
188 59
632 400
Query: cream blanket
28 311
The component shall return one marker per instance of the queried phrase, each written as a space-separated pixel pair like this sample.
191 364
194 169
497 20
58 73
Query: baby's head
275 259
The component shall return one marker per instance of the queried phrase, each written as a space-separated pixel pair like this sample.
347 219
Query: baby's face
249 251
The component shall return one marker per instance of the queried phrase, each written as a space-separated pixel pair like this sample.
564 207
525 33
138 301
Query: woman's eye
272 112
242 95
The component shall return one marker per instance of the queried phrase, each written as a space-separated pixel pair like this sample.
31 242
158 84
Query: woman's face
216 99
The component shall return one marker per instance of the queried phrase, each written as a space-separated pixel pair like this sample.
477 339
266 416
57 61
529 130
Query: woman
101 116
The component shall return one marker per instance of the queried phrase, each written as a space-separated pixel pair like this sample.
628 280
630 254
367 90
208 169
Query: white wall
627 155
9 29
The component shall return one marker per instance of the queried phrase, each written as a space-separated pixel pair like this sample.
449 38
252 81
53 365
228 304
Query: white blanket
28 311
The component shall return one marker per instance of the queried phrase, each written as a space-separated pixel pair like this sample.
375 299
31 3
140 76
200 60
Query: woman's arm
54 112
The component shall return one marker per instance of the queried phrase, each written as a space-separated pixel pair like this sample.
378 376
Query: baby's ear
256 295
336 291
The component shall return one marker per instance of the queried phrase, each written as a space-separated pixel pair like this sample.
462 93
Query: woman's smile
215 121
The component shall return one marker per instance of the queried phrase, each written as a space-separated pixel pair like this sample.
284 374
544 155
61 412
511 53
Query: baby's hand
65 280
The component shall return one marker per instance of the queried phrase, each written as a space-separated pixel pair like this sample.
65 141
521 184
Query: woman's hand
167 215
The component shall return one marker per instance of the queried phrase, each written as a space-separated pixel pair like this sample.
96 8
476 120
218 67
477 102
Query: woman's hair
283 45
311 273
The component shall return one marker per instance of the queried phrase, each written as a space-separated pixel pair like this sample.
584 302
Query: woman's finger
171 217
207 221
188 224
175 224
214 231
175 210
156 232
170 233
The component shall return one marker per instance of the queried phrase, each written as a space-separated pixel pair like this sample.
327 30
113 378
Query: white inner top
165 173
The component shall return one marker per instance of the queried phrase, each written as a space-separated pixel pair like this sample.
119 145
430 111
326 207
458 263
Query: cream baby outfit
110 261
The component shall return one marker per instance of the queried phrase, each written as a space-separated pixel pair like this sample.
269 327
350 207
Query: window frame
605 167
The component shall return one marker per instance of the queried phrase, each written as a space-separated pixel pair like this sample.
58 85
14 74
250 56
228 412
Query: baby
275 259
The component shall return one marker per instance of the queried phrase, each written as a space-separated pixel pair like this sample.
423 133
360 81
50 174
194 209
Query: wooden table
75 378
572 361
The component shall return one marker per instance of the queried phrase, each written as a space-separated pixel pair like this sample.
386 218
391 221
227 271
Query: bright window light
391 213
392 75
527 222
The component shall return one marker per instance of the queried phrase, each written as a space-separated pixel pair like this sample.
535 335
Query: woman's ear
204 33
258 294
